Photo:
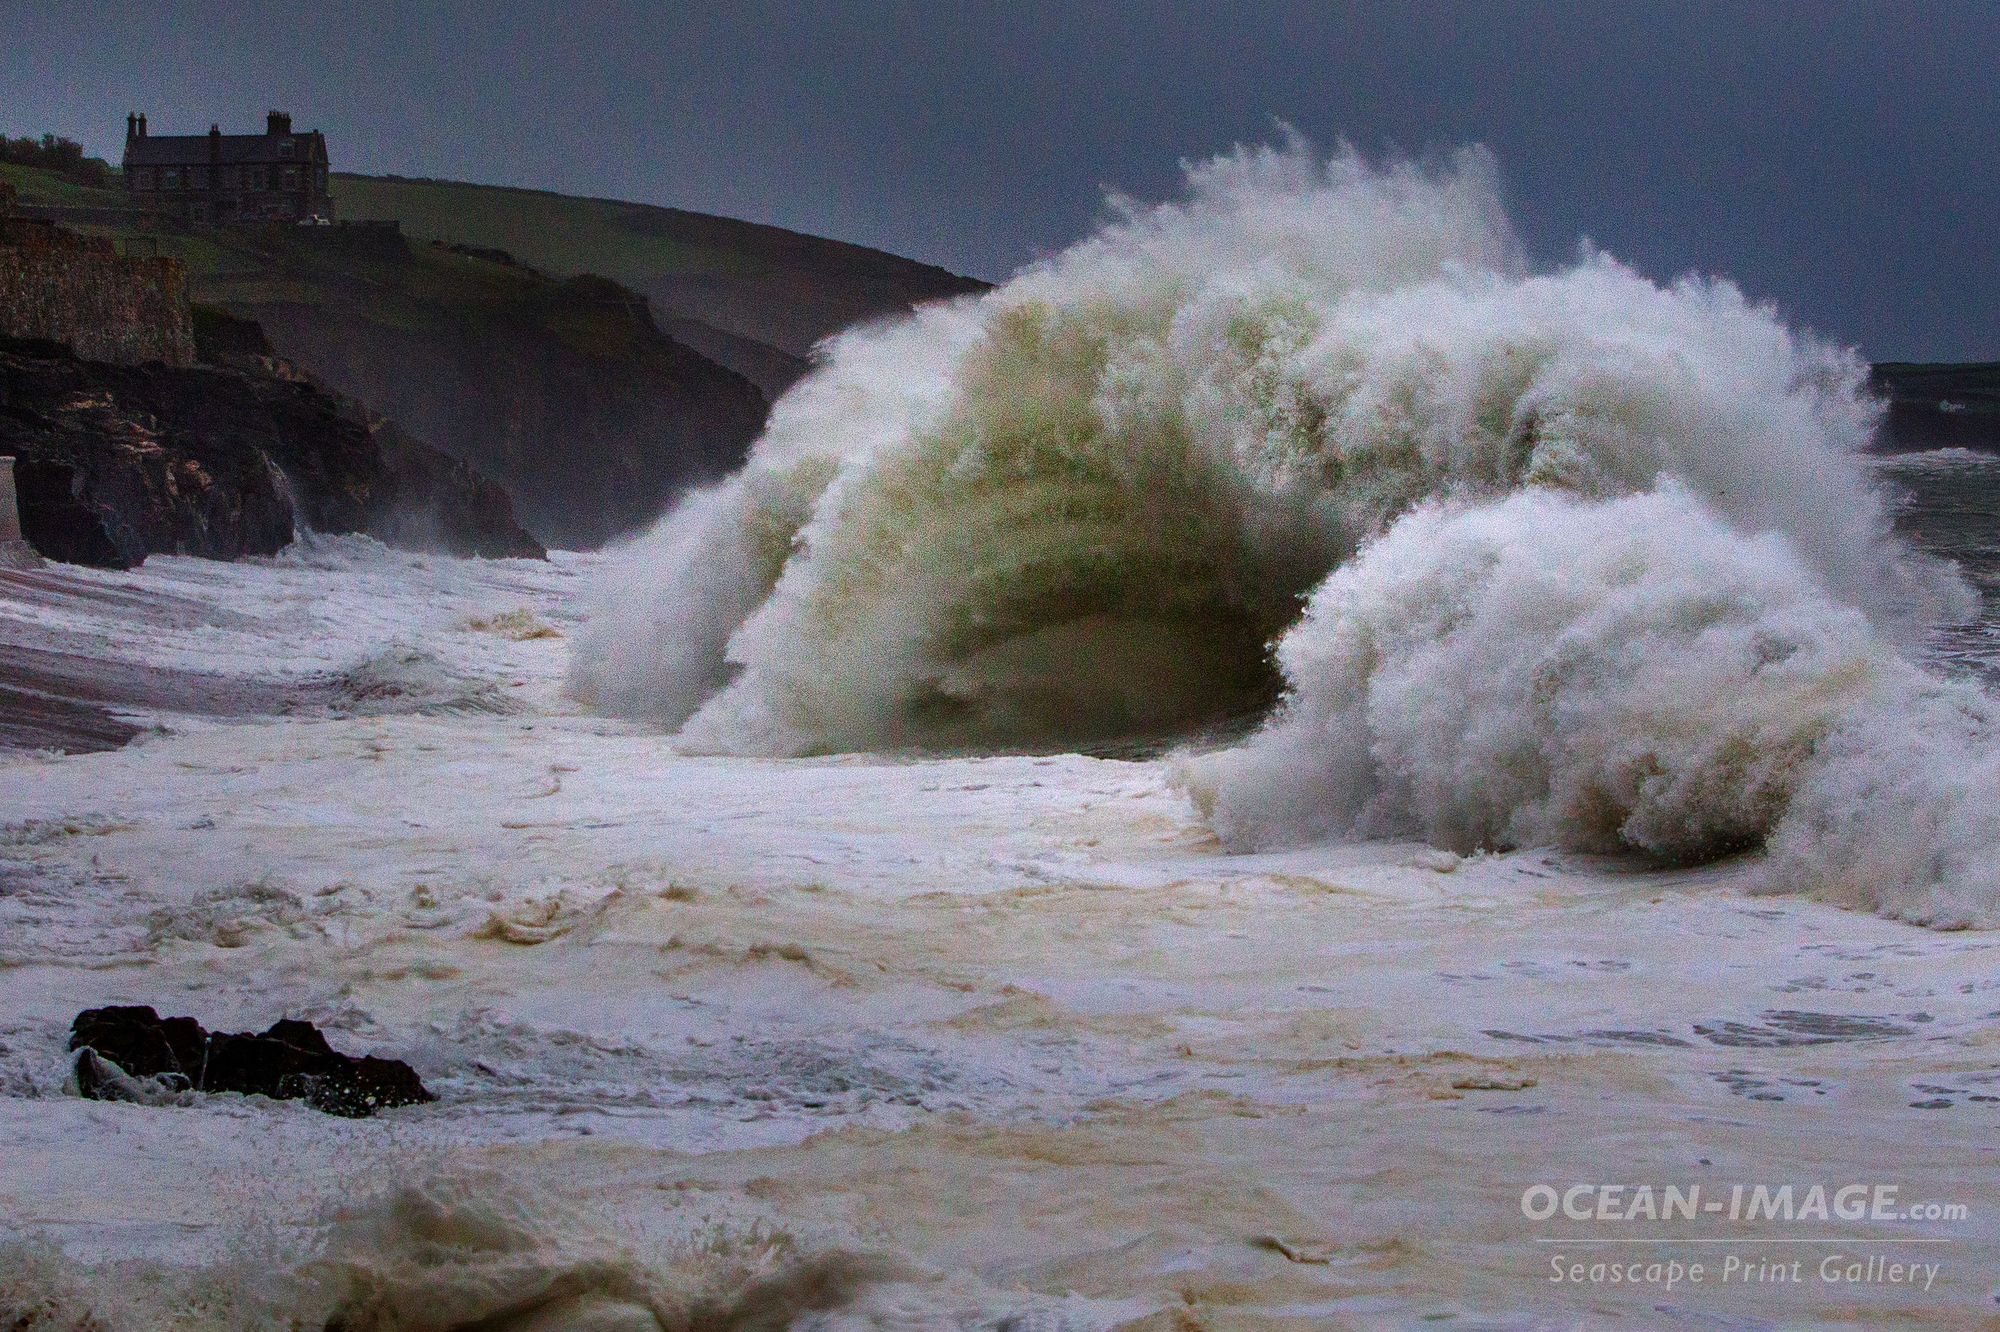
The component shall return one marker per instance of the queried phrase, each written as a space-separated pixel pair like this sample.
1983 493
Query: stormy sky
1837 158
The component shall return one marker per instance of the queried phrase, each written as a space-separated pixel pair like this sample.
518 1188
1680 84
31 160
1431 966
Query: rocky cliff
564 391
595 402
116 462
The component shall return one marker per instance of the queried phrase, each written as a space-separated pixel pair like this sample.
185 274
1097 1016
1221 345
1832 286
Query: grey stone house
216 178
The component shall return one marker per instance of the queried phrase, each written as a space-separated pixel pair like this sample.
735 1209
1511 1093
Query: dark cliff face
565 392
589 446
427 500
115 463
495 344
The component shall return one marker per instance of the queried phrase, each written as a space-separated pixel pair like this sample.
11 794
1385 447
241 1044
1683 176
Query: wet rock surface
131 1053
119 462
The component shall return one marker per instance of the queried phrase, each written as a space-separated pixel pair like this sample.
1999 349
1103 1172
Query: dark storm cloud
1837 158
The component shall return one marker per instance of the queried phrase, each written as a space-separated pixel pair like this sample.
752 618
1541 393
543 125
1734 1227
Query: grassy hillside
412 288
754 297
37 186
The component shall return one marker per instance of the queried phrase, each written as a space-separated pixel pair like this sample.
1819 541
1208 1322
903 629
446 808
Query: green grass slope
37 186
760 289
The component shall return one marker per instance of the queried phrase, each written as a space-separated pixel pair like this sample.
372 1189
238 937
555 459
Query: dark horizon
1836 158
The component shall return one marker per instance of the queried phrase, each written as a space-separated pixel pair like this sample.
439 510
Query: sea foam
1629 674
1086 503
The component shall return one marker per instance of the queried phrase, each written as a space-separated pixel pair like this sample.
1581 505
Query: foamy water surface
885 1042
1528 744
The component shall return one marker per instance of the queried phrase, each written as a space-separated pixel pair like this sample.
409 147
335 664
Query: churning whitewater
1549 558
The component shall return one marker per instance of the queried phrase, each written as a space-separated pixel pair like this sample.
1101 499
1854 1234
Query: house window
284 147
142 178
170 178
258 179
197 178
290 176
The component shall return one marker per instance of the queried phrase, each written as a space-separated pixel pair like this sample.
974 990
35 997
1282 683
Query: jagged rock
220 338
131 1053
101 480
566 393
117 462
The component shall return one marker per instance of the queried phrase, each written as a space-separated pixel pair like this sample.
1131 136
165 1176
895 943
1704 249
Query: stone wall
58 286
10 509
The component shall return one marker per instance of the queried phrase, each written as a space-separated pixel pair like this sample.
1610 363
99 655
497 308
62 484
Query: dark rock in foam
133 1054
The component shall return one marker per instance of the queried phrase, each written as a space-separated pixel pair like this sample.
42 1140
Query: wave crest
1616 676
1084 505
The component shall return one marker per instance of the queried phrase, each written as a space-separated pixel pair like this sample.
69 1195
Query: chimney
131 125
277 123
142 124
214 143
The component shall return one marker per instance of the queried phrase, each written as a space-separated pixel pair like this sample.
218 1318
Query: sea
1564 894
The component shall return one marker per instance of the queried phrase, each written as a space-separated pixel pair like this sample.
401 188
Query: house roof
234 149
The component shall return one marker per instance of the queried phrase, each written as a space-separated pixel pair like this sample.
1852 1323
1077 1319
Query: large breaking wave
1596 561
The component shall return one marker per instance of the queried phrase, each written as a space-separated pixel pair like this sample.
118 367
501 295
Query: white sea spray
1086 504
1622 675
